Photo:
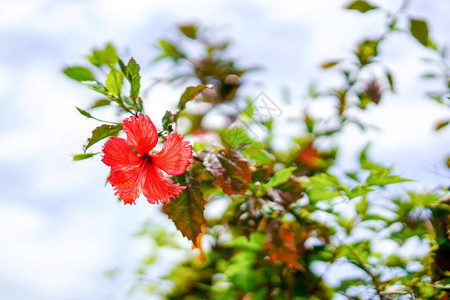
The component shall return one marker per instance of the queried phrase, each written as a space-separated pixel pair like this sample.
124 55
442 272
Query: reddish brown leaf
280 245
310 157
231 171
186 211
373 91
288 192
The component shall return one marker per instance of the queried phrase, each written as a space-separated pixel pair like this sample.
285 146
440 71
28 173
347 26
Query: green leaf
443 284
426 200
231 171
98 87
279 177
233 137
189 94
441 125
169 50
107 56
322 187
82 156
382 178
114 81
100 103
430 75
102 132
357 191
189 30
419 30
390 79
309 123
186 211
257 152
79 73
361 206
372 217
361 6
132 74
168 118
83 112
370 166
346 223
357 251
366 51
396 290
329 64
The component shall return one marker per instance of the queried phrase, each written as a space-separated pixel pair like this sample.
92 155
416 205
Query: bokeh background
61 227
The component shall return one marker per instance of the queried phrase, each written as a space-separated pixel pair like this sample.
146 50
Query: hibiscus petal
126 169
174 156
141 133
157 188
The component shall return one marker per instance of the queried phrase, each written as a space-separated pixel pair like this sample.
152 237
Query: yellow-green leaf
114 81
361 6
79 73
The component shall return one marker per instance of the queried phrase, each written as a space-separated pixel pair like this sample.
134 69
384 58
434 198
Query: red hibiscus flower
134 169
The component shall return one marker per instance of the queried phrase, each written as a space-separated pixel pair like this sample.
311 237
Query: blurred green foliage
282 216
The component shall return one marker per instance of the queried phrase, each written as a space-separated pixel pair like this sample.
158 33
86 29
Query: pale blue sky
60 226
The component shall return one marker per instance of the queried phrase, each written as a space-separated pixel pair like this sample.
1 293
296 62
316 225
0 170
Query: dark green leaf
114 81
82 156
83 112
419 30
430 75
186 211
79 73
101 102
361 6
102 132
391 81
168 118
132 74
